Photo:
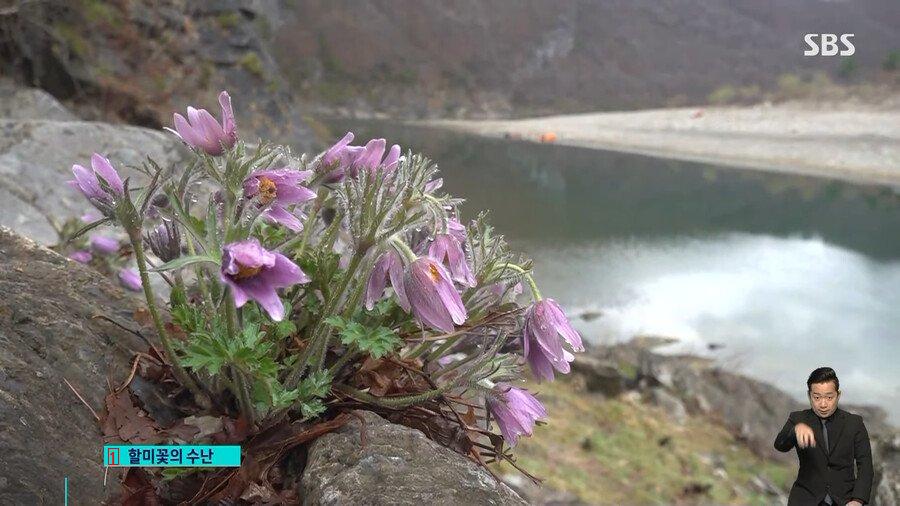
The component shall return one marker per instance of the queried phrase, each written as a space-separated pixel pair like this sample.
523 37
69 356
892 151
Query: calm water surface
787 273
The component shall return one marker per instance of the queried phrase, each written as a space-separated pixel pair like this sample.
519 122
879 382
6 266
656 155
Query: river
772 275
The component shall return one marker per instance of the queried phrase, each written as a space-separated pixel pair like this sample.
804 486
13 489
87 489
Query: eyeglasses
817 397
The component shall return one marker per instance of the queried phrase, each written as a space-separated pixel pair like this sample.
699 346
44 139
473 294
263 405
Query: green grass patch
615 451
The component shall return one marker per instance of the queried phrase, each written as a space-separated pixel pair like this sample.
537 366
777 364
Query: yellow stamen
267 190
433 272
246 272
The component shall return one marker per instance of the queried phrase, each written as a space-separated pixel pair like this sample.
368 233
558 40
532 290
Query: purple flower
447 250
104 191
432 296
340 157
389 266
500 288
515 410
434 184
545 323
370 159
165 241
202 131
278 188
90 217
255 273
457 230
104 244
81 256
130 279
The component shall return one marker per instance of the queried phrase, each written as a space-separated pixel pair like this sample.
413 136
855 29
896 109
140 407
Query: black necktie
828 499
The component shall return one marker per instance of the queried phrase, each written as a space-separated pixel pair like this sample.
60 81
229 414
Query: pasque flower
515 411
201 130
447 250
255 273
104 191
432 297
81 256
130 279
457 230
342 159
371 157
546 327
277 189
104 244
165 241
388 267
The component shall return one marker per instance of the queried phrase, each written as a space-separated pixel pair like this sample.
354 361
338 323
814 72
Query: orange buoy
548 137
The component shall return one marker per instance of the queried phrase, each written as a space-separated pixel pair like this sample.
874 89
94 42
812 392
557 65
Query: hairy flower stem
241 383
198 272
318 343
444 347
182 375
530 280
404 249
394 402
311 222
242 392
418 350
349 355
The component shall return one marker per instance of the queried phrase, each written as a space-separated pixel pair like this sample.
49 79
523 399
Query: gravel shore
852 142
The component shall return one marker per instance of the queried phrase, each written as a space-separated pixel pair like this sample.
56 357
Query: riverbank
848 141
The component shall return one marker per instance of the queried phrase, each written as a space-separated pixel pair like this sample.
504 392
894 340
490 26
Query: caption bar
171 456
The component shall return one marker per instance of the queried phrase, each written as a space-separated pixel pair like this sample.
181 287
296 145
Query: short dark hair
823 375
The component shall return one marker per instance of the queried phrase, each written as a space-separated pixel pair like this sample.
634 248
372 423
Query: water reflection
788 272
779 306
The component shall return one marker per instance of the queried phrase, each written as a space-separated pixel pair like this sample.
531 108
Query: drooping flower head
201 130
546 328
103 244
102 186
276 189
130 279
432 297
255 273
447 250
165 241
388 267
457 230
515 411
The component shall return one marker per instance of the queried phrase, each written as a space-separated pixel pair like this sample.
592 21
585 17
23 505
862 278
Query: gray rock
886 456
36 158
397 465
670 403
48 333
30 103
600 375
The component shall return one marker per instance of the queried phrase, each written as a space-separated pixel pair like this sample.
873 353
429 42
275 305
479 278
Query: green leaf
376 341
284 328
336 322
181 262
312 408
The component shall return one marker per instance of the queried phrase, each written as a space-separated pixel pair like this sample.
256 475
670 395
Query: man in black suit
828 441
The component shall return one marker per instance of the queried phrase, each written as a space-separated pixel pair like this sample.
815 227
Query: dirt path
853 143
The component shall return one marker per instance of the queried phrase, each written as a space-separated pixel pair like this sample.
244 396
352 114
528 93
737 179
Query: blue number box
172 456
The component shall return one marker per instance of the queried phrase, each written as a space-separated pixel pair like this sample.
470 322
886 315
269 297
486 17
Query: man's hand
854 502
805 435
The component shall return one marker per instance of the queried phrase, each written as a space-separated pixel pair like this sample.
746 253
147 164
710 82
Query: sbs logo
828 45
